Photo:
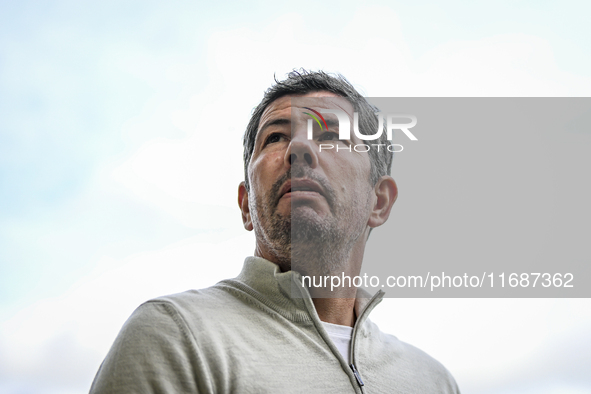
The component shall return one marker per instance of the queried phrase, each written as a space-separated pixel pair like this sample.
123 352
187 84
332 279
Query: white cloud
60 342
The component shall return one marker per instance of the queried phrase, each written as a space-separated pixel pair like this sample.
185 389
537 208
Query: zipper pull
356 373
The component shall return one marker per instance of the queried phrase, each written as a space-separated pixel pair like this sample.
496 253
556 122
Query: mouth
300 187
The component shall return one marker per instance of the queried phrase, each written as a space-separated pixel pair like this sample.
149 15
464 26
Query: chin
310 229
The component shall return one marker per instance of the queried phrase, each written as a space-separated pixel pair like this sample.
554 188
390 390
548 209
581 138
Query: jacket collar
284 292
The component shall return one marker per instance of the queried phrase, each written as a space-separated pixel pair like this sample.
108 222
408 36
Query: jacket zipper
359 381
360 319
370 305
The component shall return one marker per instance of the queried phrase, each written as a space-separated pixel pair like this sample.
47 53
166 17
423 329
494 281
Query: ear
386 193
243 204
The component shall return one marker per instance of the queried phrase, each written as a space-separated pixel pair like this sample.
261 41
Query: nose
301 150
307 157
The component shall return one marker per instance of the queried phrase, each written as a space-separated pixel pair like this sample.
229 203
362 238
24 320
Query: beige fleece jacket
248 335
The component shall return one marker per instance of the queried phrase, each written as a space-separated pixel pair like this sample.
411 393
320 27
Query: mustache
300 171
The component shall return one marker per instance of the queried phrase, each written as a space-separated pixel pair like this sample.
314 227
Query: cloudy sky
120 156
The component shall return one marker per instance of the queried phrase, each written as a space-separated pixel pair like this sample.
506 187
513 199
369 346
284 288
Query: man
265 331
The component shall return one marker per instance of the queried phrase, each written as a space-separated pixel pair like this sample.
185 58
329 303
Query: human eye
328 136
273 138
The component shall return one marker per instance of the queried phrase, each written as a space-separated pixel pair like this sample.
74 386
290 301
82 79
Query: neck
334 303
336 310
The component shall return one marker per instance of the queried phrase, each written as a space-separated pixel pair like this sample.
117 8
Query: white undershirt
341 337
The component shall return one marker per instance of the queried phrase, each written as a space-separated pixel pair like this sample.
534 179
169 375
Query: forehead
283 106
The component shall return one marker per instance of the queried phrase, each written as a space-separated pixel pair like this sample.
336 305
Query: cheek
352 172
265 169
355 180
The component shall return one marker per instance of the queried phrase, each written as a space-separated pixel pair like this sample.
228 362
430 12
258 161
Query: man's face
303 201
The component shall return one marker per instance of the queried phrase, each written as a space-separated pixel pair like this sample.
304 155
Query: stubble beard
303 241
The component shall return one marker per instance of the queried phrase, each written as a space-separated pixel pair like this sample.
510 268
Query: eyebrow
274 122
331 122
